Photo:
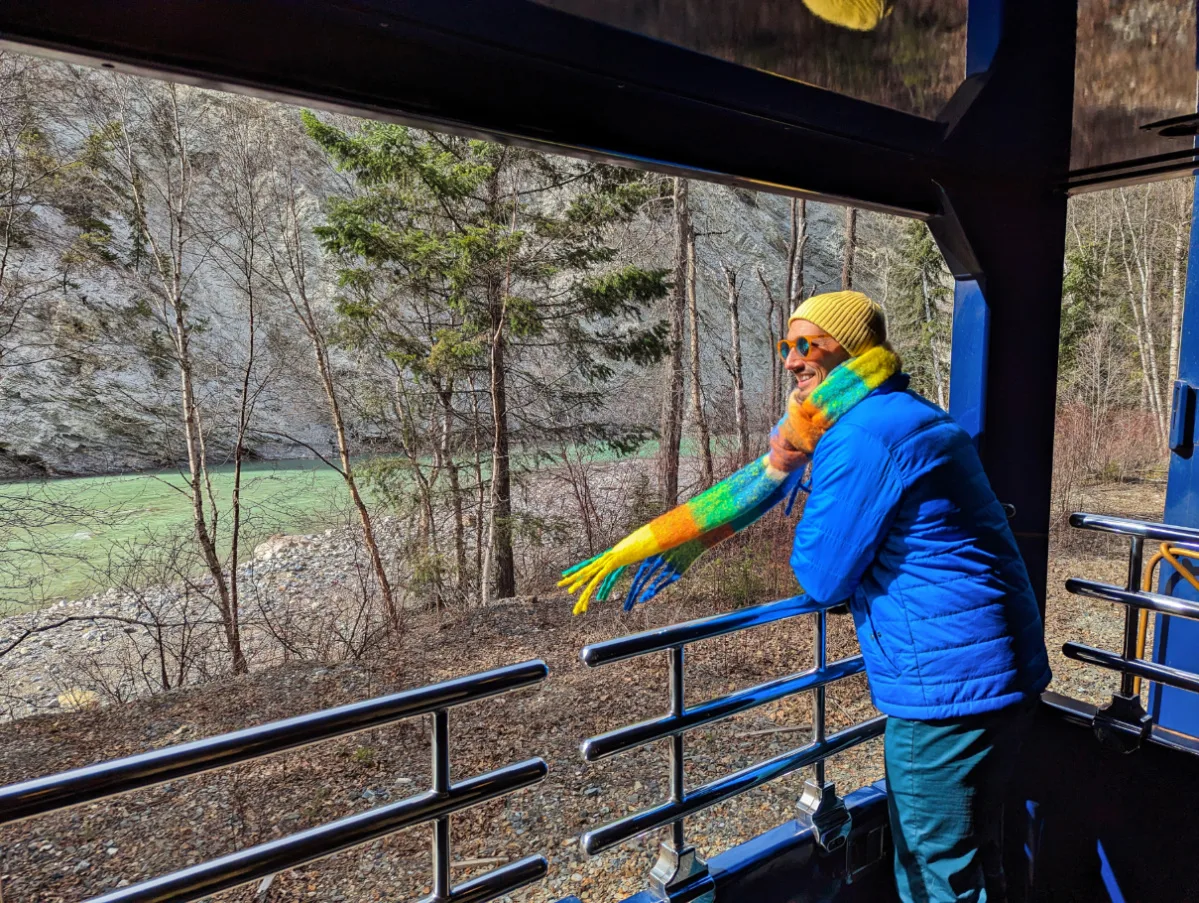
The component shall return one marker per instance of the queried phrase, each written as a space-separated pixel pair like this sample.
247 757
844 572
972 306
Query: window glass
1135 65
1124 284
911 58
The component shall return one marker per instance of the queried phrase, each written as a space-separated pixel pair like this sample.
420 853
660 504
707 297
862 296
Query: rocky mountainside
109 401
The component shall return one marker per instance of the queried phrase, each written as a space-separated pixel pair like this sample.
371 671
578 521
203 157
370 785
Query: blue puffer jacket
902 521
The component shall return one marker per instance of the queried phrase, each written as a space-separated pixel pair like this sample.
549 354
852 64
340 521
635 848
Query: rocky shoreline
73 654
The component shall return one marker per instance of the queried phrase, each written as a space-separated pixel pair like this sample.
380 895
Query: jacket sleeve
856 490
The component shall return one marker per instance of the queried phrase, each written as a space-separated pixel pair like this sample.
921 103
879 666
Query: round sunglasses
802 346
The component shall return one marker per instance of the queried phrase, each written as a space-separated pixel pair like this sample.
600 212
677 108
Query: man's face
823 356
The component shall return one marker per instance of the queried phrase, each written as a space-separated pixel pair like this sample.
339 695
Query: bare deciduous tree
851 247
149 153
736 369
672 386
707 473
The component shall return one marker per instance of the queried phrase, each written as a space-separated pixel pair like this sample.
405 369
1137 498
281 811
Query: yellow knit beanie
860 15
849 317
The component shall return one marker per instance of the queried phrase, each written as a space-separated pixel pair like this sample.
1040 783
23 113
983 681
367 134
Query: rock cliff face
103 405
90 382
114 410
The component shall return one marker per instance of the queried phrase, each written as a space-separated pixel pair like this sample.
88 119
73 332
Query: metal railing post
677 863
1136 556
818 700
678 788
819 805
441 786
1123 723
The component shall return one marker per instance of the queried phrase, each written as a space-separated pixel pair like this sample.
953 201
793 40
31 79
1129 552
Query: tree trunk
851 246
239 451
795 253
351 481
775 331
707 473
451 466
168 253
672 398
290 267
411 435
793 293
498 564
480 483
772 338
730 278
1178 283
197 478
933 353
1142 252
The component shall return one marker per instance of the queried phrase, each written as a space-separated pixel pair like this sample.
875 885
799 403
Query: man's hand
784 456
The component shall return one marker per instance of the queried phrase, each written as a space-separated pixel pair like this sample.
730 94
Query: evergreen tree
464 261
1080 301
921 313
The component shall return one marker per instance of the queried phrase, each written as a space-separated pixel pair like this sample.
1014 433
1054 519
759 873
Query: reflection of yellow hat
860 15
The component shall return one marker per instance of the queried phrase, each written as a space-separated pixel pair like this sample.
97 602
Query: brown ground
84 852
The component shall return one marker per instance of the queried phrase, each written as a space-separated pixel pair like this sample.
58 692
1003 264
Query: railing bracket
1123 725
674 869
825 812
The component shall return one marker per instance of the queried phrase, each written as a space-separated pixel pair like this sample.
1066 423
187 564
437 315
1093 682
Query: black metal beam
1014 226
511 70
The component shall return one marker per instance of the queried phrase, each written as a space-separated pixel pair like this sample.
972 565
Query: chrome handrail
107 779
1162 674
1137 532
624 739
739 782
1124 723
1128 526
679 863
104 779
1150 601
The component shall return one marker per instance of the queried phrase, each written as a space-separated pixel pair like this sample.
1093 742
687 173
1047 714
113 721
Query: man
902 522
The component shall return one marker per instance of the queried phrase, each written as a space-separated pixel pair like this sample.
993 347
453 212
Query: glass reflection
909 55
859 15
1135 65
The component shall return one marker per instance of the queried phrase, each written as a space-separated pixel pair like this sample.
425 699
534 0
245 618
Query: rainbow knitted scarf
669 544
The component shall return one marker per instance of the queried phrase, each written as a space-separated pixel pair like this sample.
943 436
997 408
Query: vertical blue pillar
971 315
971 352
1176 641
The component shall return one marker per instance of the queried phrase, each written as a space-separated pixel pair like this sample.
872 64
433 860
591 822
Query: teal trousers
945 789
